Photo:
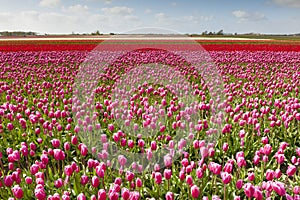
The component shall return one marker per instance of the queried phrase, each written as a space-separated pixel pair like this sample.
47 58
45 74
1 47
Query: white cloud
78 8
173 4
117 19
148 11
207 18
197 19
131 17
182 24
166 20
50 3
240 14
38 22
66 22
191 19
288 3
118 10
161 16
107 1
102 1
248 16
97 18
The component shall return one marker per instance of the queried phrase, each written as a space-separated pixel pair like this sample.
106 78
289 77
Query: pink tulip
40 181
169 196
28 180
10 126
195 192
8 181
83 149
158 178
58 183
267 149
74 140
291 170
185 162
226 177
118 181
153 145
122 160
277 173
134 195
225 147
95 181
181 175
283 145
68 170
18 192
59 154
125 193
168 161
296 190
258 194
34 169
215 197
129 176
84 179
278 187
100 171
138 183
199 173
215 167
167 174
251 176
101 194
280 158
269 174
249 190
298 151
228 167
111 127
113 196
40 192
264 140
130 144
189 180
81 196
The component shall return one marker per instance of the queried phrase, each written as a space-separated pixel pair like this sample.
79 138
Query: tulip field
83 121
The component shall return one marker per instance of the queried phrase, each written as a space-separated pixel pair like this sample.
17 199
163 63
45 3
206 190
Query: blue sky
121 16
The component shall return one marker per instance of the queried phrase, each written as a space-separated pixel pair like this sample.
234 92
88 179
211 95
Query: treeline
209 33
17 33
213 33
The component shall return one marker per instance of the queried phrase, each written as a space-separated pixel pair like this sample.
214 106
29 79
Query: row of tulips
208 45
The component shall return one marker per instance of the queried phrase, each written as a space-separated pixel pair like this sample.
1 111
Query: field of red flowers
209 45
64 136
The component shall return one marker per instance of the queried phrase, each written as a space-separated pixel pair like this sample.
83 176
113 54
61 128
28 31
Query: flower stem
224 192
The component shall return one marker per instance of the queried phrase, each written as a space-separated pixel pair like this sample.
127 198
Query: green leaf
77 184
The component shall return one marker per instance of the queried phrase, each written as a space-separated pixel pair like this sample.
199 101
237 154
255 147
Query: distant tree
96 33
220 32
